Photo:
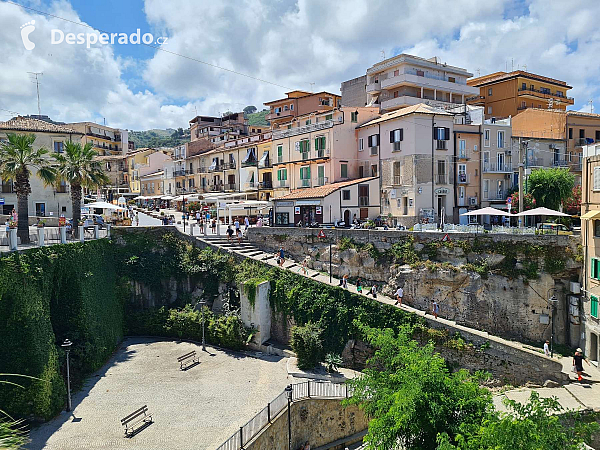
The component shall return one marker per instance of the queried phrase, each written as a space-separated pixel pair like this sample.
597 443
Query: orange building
505 94
299 103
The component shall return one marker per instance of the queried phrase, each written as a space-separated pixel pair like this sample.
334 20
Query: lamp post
288 391
552 301
202 305
67 346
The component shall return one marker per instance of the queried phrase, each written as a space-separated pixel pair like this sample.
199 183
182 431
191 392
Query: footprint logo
26 30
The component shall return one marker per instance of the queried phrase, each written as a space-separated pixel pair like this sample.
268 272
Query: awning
541 211
593 214
250 156
487 212
167 197
264 160
104 205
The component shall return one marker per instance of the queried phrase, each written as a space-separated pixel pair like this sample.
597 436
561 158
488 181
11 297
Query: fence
51 236
300 391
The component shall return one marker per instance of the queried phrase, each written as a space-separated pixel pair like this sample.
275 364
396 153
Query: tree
409 394
78 167
572 205
529 202
307 344
550 187
250 109
17 160
531 426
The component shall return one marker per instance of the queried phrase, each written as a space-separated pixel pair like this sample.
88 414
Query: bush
307 344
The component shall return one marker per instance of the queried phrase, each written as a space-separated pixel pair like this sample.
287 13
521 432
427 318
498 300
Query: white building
407 80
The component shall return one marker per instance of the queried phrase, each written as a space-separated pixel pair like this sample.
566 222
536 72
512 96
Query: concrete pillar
41 231
450 96
108 227
230 221
81 233
421 91
12 239
96 232
257 315
218 227
205 228
63 234
435 94
463 98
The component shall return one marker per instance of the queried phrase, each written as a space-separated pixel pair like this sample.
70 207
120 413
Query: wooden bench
135 418
188 358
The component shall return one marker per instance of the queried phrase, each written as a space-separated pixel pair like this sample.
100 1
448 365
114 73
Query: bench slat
133 415
186 356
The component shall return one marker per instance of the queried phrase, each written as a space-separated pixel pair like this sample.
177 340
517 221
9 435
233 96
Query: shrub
333 361
307 344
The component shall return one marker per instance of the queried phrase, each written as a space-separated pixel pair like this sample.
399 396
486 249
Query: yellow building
136 159
105 140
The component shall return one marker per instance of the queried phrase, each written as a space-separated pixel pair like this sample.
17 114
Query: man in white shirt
399 294
547 348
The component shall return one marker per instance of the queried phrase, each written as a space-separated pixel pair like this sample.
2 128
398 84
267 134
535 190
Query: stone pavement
194 409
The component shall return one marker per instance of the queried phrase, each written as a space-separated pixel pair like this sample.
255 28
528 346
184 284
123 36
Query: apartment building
505 94
43 200
467 175
407 80
587 309
498 174
413 150
135 160
151 183
299 103
320 148
354 91
218 129
115 168
105 140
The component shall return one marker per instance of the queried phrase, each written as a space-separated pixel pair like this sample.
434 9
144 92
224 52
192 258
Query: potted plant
41 223
12 224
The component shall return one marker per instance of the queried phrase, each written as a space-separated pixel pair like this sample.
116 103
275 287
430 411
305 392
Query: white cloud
292 44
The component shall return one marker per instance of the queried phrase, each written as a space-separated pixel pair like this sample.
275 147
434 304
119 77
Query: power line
154 47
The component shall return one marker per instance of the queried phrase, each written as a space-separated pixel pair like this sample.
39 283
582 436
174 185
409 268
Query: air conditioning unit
575 287
508 152
472 201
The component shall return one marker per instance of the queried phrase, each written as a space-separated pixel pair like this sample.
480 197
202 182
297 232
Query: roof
321 191
308 94
421 108
109 157
501 76
153 174
405 57
198 147
20 123
583 114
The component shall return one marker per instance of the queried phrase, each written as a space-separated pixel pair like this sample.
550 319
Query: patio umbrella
541 211
487 211
104 205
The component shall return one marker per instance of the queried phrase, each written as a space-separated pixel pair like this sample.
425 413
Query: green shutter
323 143
279 175
308 172
285 174
594 306
594 271
316 143
321 171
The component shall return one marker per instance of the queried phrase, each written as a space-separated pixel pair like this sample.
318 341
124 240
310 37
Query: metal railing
300 391
303 129
493 167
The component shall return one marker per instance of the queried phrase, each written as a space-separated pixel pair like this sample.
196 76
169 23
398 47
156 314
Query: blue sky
290 43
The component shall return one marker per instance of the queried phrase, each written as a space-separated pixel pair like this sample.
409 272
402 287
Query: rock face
462 277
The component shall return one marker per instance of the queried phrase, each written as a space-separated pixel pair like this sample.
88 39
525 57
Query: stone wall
515 308
318 421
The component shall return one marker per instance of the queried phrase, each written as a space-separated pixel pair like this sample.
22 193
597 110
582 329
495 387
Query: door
463 220
594 348
347 217
440 205
405 206
461 196
321 175
500 162
500 194
40 209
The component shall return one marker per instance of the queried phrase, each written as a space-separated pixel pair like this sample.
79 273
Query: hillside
258 118
159 138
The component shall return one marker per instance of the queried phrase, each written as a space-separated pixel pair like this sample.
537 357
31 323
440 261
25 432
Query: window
595 269
597 135
282 218
361 144
373 170
282 176
396 72
597 228
531 87
594 306
396 170
486 138
570 133
420 73
441 133
581 133
396 137
289 127
292 107
489 92
279 153
395 94
305 176
373 141
59 147
320 142
596 179
486 189
304 147
329 117
523 86
441 171
489 111
285 107
452 79
277 110
354 117
500 139
462 148
308 122
344 170
346 194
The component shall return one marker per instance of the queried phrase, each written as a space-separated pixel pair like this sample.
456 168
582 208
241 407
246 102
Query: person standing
374 291
15 216
547 348
359 286
239 236
305 266
137 219
578 359
399 295
236 224
198 216
213 226
345 281
229 233
435 309
246 223
281 257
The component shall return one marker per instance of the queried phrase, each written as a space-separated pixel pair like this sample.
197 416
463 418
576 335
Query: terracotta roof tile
35 125
321 191
420 108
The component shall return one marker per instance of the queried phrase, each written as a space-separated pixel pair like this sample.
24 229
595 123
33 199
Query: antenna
591 102
382 55
312 87
37 85
512 64
525 67
478 72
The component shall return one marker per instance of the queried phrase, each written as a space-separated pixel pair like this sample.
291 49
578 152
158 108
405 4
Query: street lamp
67 346
552 301
202 305
288 392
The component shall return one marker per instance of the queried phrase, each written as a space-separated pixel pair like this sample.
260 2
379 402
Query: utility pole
37 85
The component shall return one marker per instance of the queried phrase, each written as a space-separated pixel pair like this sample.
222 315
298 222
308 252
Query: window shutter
435 135
593 268
392 136
308 146
323 142
316 143
369 141
447 134
279 175
594 306
377 139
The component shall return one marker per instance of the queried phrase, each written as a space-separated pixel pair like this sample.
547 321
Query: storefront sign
284 203
297 210
308 202
441 191
319 210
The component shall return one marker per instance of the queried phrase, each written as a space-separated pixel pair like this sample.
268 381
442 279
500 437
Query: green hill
159 138
258 119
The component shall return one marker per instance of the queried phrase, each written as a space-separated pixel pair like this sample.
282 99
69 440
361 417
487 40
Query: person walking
137 219
281 257
578 359
213 226
229 233
374 291
345 281
305 266
236 224
198 216
435 309
239 236
359 286
547 348
246 223
399 294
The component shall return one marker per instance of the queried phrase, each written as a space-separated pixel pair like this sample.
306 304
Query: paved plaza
198 408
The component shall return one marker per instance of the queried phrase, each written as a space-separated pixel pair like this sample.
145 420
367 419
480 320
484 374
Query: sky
279 44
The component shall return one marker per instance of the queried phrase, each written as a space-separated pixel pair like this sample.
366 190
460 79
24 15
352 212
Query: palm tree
17 159
78 167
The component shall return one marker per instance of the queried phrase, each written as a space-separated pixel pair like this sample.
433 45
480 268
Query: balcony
250 163
280 115
265 185
501 195
580 142
463 154
441 145
441 178
305 183
265 164
534 162
229 165
279 184
230 187
363 201
560 163
397 180
303 129
215 168
547 95
495 168
406 79
250 185
373 88
201 170
322 181
322 153
181 172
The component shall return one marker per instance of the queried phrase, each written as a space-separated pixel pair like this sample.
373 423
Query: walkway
194 409
575 395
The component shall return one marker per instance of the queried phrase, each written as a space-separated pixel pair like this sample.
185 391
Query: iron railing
300 391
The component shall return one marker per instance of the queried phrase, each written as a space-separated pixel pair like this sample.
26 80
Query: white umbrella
487 211
541 211
104 205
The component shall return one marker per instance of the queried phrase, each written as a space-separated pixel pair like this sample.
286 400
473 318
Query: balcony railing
305 183
463 178
249 163
580 142
229 165
535 162
441 145
282 184
560 163
575 165
201 169
321 181
251 185
215 168
441 178
279 115
230 187
363 201
264 164
397 180
493 167
322 153
546 94
265 185
462 154
182 172
279 134
496 195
